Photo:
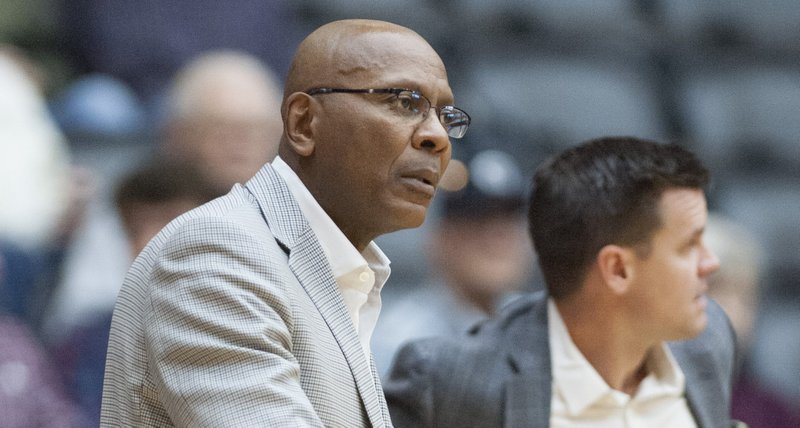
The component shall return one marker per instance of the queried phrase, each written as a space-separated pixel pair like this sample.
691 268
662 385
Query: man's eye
407 102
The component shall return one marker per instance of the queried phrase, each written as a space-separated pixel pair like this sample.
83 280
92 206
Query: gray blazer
500 376
231 317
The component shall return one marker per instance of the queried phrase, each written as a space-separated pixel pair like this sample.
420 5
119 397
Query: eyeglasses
413 104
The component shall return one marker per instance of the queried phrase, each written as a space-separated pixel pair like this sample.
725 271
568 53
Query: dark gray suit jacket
500 375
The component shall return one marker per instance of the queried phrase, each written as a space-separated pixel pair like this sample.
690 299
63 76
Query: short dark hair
159 181
604 191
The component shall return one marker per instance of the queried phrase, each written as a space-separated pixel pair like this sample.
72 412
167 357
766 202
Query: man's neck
607 342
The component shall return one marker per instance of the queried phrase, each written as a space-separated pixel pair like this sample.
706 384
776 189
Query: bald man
257 308
223 117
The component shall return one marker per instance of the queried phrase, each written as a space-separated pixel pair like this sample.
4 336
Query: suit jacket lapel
379 387
308 262
528 393
702 391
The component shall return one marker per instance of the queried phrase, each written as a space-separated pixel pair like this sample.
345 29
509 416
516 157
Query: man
479 255
617 224
223 115
154 194
257 308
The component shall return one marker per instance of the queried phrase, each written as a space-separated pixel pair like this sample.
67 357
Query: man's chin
411 216
698 327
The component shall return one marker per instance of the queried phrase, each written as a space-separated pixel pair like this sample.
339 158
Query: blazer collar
308 262
529 390
703 393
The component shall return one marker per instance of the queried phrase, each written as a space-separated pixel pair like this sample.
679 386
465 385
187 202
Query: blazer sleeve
409 389
219 331
452 381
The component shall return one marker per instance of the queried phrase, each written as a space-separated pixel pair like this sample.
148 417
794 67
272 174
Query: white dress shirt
359 276
581 398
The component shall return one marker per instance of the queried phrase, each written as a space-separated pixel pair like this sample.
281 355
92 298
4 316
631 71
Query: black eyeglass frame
459 126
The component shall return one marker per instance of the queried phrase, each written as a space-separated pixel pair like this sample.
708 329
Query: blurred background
100 98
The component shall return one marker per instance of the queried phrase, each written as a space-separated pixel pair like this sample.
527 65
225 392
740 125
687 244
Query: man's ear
616 268
300 110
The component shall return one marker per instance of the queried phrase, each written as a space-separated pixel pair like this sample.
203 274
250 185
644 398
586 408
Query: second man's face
671 280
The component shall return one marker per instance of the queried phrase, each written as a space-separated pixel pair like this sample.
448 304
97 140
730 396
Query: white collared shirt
581 398
359 276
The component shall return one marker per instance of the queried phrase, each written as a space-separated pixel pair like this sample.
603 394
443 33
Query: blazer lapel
308 263
702 391
528 393
379 387
528 401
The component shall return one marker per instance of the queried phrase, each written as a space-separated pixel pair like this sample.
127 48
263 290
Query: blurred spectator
98 106
223 121
153 195
34 161
147 199
479 253
21 282
736 286
223 116
42 197
30 392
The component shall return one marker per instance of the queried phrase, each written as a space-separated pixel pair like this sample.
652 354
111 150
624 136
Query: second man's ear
615 267
300 115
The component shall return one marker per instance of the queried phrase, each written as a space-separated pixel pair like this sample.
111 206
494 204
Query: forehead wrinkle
401 60
384 55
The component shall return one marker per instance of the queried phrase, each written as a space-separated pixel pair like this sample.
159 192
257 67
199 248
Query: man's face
671 280
376 171
232 149
233 132
484 257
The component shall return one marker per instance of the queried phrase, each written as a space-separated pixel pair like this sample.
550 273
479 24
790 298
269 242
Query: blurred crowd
118 116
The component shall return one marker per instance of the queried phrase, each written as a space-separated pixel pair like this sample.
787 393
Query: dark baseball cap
495 186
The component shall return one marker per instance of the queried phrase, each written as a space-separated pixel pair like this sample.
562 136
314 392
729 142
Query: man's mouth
422 180
701 300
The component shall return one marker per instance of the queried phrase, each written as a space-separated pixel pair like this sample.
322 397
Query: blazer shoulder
232 221
481 344
524 311
458 380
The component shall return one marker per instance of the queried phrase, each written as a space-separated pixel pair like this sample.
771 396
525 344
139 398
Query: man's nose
709 262
431 134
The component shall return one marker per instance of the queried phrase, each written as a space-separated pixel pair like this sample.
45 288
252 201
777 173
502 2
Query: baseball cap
495 186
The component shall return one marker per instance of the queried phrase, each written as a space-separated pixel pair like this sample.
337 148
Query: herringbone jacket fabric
231 317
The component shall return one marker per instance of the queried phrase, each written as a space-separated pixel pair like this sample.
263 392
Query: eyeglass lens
454 120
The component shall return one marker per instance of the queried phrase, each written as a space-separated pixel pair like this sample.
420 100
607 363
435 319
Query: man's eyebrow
695 235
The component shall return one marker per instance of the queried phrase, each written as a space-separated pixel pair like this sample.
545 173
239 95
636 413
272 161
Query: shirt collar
581 386
343 257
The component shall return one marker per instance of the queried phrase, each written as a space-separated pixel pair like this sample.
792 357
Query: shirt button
363 276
